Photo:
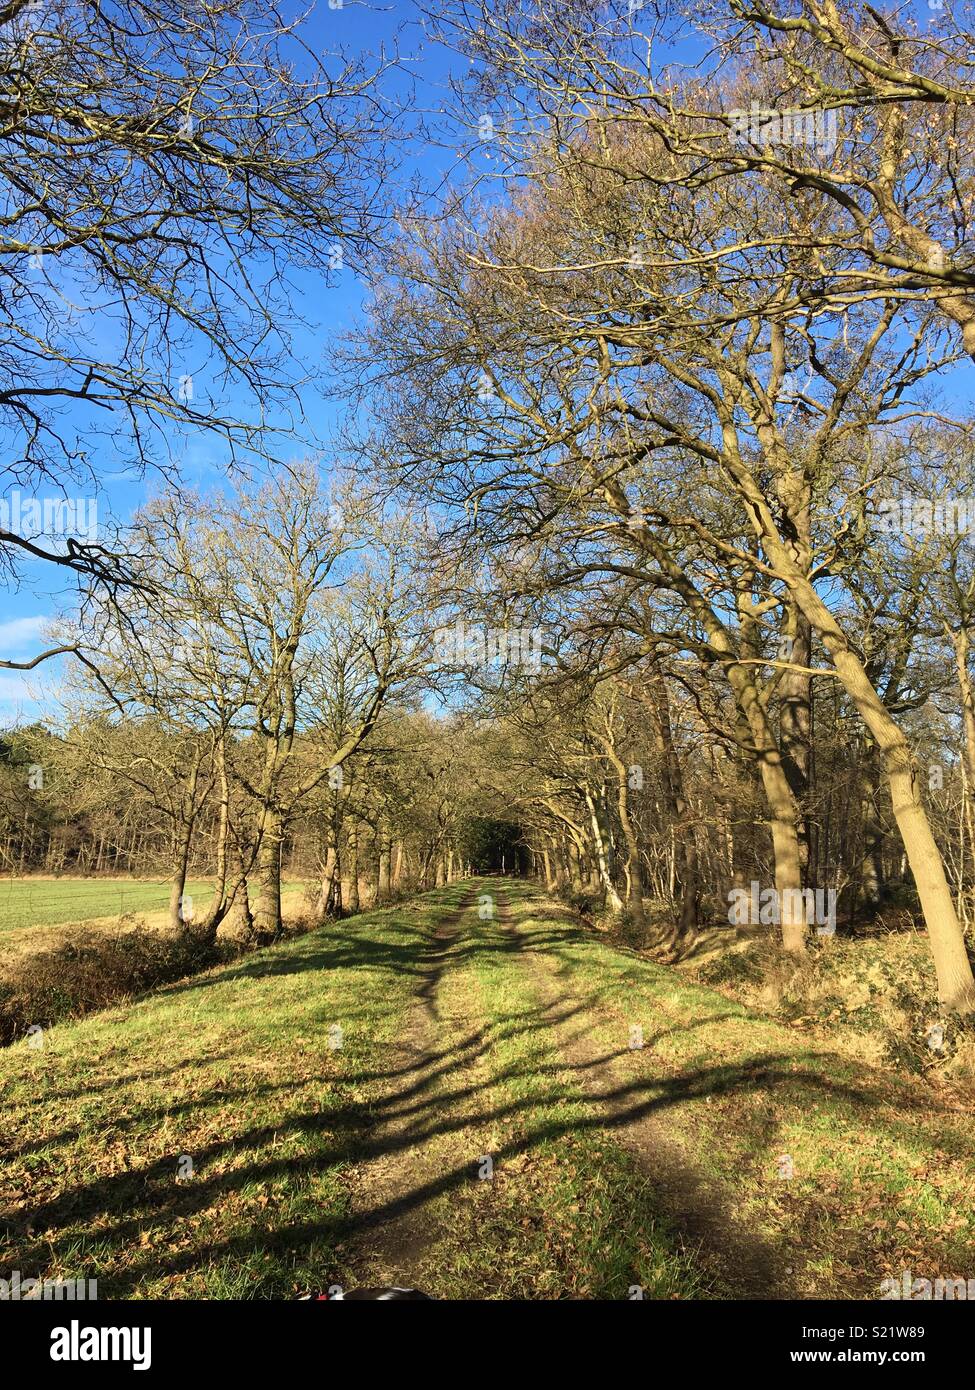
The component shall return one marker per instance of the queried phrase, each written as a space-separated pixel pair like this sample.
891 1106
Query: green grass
297 1145
884 1166
41 902
567 1214
234 1070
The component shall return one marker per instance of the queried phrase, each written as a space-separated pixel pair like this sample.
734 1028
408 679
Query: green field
44 902
329 1110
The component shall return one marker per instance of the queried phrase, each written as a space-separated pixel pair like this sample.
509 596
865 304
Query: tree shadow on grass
120 1209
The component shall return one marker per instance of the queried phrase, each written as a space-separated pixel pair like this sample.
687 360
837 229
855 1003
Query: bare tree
610 356
166 171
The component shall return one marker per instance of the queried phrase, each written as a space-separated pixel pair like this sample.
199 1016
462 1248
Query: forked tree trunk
180 916
330 892
602 854
239 918
221 900
632 867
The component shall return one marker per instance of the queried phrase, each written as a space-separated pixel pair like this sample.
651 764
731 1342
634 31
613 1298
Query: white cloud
17 634
25 694
14 687
25 697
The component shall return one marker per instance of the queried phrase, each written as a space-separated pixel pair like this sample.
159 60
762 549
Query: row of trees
140 796
255 697
677 374
672 385
637 785
628 784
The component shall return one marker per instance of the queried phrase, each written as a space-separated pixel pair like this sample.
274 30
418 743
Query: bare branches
168 174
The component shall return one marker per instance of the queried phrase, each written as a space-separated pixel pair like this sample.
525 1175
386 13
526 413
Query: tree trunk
687 874
383 878
783 817
180 916
960 641
547 869
871 863
353 844
795 694
956 985
632 868
268 922
240 919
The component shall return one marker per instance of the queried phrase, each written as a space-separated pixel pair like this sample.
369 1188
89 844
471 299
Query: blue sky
357 29
421 85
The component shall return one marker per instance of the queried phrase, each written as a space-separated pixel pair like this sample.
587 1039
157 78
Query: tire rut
393 1228
739 1262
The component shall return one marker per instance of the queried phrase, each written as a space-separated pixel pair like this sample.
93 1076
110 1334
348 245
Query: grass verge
201 1142
882 1167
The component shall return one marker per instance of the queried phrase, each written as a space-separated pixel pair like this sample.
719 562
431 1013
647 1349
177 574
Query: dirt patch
395 1228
